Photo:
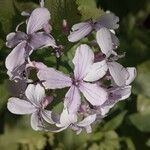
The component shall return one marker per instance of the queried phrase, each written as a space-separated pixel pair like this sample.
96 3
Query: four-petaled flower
35 105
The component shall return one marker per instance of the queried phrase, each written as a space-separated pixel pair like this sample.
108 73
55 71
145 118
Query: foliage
128 126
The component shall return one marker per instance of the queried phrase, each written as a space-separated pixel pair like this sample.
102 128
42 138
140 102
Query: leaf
141 121
6 14
143 79
88 9
62 9
115 122
143 104
148 143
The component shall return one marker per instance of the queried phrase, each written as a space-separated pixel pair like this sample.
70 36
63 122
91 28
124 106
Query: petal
17 57
35 94
108 20
104 40
66 119
36 123
117 94
72 99
53 79
47 116
96 71
38 18
54 129
83 59
19 106
93 93
118 73
13 39
87 121
105 110
132 75
79 31
41 39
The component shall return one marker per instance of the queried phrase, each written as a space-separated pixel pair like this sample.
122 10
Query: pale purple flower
25 43
35 105
122 76
80 30
85 71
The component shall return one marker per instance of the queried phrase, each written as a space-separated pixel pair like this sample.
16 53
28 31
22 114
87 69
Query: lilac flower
85 71
35 105
122 76
25 43
80 30
71 120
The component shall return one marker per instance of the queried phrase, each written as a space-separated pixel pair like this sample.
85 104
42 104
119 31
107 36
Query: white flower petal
83 59
17 57
104 40
19 106
37 20
80 30
72 99
94 93
96 71
53 79
132 75
118 73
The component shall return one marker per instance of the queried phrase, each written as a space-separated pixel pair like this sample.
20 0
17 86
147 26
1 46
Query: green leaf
129 143
115 122
141 121
143 79
88 9
143 104
148 143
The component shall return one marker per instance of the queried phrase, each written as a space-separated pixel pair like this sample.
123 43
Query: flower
80 30
85 72
122 76
35 105
25 43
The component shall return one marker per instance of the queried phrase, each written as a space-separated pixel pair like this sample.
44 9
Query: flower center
75 82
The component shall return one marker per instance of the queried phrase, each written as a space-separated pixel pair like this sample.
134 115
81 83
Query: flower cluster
89 97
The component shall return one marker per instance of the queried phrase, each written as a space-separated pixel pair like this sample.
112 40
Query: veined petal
35 94
118 73
93 93
72 100
96 71
83 59
117 94
38 18
36 123
104 40
87 121
41 39
53 79
13 39
17 57
47 116
132 74
79 31
19 106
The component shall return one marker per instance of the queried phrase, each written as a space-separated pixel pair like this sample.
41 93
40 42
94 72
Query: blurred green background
128 125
